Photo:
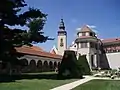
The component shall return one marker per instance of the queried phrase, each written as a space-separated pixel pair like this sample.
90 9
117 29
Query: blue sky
103 15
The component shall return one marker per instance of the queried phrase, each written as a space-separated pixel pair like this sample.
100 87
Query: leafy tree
83 63
69 67
10 38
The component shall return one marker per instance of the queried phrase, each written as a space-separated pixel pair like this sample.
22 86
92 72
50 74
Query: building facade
102 54
34 59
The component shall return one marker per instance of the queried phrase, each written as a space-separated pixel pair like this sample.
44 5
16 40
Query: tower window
61 42
84 45
91 34
83 34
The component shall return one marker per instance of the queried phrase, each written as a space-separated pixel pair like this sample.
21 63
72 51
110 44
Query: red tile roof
53 51
118 47
36 48
111 40
85 28
33 51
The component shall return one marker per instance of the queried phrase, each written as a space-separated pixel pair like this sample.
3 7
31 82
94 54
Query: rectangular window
91 34
83 34
92 60
84 45
93 45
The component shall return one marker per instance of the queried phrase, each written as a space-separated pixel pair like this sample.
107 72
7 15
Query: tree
69 67
10 38
83 63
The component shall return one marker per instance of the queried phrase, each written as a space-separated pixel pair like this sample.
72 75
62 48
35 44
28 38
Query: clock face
61 42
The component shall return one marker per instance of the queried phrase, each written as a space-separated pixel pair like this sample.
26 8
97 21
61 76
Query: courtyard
47 81
99 84
33 84
33 81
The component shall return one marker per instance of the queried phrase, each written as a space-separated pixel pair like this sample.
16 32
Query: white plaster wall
92 50
37 58
73 47
83 51
114 60
87 34
61 49
80 34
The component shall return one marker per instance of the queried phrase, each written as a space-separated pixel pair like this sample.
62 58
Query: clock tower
62 38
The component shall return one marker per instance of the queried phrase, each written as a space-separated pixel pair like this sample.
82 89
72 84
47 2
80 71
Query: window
92 60
83 34
75 46
84 45
61 42
92 45
91 34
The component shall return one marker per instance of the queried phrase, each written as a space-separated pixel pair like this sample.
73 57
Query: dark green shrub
83 63
69 67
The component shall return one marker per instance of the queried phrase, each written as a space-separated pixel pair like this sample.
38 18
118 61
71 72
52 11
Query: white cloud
91 26
78 29
95 31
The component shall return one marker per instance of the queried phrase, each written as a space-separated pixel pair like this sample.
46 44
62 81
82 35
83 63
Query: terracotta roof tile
118 47
31 51
37 48
85 28
111 40
53 51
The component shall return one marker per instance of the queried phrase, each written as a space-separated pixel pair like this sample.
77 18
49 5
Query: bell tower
62 38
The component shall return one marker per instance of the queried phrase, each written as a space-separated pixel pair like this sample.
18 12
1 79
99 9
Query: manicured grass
33 84
32 81
100 85
39 73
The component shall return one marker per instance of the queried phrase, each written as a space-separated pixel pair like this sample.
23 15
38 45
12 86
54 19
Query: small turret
62 26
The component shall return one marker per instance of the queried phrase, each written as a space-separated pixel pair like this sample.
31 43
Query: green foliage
10 38
69 67
83 63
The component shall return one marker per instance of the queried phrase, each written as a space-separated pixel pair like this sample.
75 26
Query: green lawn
33 84
100 85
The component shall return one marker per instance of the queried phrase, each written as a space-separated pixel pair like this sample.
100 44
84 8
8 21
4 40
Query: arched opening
32 66
45 66
51 66
39 65
55 65
24 65
0 67
58 64
92 62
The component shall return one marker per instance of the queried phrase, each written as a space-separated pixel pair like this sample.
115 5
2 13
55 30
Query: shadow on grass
12 78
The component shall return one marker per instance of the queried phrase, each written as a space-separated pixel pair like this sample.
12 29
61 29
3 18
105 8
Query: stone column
89 60
95 60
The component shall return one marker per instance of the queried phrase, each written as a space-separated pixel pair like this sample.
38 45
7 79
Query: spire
62 26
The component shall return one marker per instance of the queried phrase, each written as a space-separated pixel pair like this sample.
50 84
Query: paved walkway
74 84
